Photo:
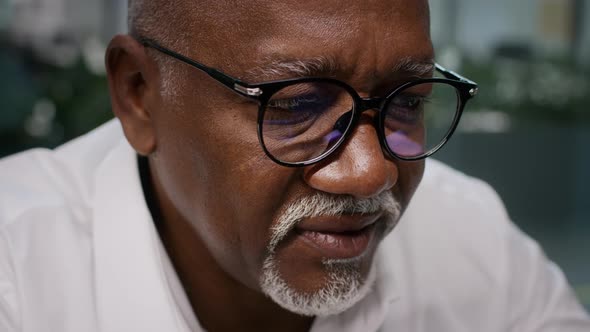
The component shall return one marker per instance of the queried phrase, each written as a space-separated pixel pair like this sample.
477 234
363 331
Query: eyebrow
410 66
291 68
326 66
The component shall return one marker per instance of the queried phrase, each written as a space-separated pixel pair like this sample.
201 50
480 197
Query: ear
132 83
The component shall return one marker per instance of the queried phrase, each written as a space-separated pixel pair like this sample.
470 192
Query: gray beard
345 286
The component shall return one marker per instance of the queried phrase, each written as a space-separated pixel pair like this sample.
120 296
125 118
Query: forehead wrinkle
291 68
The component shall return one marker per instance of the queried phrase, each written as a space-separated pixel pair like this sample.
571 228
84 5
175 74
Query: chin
345 285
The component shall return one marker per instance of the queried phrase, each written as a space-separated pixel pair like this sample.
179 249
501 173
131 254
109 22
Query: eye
310 108
299 111
406 108
410 102
296 104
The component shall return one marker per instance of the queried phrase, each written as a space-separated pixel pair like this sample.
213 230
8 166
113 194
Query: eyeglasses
302 121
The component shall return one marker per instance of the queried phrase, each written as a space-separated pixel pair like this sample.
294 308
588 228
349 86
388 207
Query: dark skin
217 191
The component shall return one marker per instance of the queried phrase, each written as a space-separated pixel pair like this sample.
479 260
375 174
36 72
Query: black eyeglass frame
262 92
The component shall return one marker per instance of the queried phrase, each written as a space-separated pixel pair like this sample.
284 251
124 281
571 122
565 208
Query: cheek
222 183
261 191
410 175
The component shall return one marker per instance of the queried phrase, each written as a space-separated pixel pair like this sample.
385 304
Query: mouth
342 237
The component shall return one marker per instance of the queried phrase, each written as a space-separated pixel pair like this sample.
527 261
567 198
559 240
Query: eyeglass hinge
255 92
473 92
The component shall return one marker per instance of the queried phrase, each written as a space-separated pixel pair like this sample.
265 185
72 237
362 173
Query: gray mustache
321 204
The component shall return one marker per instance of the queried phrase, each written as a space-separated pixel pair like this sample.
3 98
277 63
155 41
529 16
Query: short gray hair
162 21
156 19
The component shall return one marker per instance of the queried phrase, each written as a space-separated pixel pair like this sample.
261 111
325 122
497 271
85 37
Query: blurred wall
479 27
58 30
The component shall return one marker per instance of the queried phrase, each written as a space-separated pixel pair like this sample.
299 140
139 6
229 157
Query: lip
341 237
337 224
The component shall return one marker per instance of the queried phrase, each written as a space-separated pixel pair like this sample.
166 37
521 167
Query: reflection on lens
418 118
400 143
303 121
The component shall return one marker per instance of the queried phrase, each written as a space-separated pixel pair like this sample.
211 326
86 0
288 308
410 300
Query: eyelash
288 103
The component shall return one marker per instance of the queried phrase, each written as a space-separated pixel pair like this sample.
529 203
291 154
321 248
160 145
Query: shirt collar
132 291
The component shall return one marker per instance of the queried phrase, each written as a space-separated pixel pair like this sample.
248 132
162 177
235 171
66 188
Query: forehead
352 35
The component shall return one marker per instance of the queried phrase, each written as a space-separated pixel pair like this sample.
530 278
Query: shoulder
459 264
46 198
458 224
453 206
441 182
449 198
448 254
46 225
42 179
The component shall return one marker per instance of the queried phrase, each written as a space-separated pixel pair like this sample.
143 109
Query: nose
359 168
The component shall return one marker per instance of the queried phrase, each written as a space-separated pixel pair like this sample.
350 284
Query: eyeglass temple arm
452 75
244 88
228 81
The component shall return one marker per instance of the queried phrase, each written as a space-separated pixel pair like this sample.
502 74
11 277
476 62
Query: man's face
304 236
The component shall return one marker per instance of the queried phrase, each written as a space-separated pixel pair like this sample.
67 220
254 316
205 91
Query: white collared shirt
79 252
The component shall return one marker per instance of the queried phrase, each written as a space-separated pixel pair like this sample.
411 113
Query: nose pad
343 122
360 169
339 128
345 119
371 104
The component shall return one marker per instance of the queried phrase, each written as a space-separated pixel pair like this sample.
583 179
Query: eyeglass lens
418 119
303 121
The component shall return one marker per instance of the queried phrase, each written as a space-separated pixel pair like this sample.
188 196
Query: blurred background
527 133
